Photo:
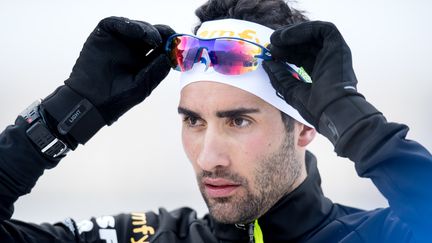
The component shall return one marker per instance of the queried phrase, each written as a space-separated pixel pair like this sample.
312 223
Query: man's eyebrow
187 112
236 112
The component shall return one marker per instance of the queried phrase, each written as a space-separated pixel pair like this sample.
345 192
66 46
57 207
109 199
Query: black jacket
401 170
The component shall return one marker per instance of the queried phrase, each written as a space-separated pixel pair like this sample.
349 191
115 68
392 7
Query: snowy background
138 163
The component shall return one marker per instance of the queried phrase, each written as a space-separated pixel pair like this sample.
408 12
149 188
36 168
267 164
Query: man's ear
306 135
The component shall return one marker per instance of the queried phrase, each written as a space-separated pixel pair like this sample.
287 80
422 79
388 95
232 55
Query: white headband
256 82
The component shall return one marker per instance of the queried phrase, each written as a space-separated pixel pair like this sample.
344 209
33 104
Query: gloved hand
121 62
331 103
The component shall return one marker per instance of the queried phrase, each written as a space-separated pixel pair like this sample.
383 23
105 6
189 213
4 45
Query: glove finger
292 90
165 32
281 78
302 43
150 77
131 30
145 81
306 32
301 56
298 100
299 42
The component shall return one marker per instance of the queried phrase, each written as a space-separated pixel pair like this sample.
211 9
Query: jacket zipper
251 233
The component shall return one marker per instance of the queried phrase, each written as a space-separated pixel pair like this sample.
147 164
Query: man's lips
219 187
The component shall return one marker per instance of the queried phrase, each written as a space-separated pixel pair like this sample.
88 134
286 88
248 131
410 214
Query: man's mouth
218 187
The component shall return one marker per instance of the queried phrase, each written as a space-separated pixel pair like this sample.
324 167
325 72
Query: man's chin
238 208
224 217
223 210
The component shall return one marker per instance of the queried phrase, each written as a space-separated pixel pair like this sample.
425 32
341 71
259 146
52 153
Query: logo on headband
246 34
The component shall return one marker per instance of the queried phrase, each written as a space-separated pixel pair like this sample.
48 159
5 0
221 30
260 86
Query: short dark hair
288 122
271 13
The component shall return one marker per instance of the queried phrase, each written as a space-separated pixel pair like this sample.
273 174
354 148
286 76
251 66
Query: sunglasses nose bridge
203 57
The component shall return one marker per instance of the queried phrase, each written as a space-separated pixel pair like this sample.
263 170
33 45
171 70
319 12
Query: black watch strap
40 135
45 140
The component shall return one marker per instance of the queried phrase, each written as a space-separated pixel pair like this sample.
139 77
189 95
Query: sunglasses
227 55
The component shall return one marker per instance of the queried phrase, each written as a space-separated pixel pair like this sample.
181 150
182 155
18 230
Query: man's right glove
331 103
120 64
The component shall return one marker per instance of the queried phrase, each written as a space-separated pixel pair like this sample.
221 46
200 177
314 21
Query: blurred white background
138 163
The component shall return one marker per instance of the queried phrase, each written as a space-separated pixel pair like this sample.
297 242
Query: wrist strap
46 141
39 133
73 115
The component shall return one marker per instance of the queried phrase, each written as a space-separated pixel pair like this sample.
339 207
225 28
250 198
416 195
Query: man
246 144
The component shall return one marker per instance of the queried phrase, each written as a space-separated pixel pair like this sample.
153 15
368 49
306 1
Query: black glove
120 64
331 103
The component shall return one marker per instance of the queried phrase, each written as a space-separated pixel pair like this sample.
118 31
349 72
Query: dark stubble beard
274 177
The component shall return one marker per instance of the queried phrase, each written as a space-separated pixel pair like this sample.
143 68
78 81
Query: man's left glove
120 64
331 103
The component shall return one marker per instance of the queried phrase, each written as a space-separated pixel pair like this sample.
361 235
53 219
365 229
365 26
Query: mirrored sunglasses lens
235 57
183 52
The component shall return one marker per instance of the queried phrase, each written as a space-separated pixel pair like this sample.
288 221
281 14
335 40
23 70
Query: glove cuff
71 116
343 114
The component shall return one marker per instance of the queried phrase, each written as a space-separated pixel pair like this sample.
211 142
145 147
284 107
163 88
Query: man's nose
214 151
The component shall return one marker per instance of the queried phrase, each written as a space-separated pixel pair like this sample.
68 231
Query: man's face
243 157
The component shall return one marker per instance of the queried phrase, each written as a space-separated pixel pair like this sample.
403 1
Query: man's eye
192 121
240 122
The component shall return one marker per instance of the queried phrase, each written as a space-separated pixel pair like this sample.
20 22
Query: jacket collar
293 216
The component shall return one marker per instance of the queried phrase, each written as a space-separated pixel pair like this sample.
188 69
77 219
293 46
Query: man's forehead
215 93
207 98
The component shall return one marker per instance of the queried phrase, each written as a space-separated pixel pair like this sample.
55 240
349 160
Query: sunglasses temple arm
298 73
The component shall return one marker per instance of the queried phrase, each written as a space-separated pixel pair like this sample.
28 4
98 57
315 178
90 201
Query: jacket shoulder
354 225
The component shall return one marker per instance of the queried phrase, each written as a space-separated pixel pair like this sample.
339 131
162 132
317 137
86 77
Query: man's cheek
254 146
191 147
